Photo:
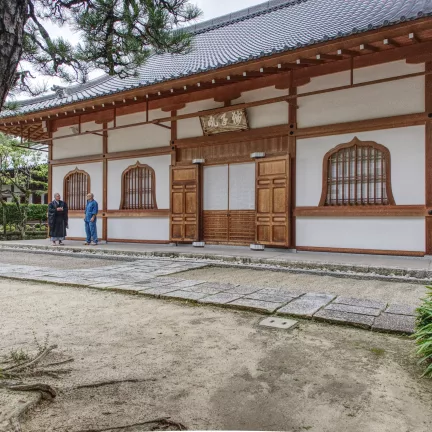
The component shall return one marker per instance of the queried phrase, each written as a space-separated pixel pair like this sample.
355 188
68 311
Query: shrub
423 334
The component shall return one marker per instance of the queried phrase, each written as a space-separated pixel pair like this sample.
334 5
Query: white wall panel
139 137
77 227
265 115
83 145
384 233
242 186
191 127
407 151
95 171
215 187
160 164
148 228
362 103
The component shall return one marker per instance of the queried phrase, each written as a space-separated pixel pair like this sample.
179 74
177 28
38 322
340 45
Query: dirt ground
210 368
390 292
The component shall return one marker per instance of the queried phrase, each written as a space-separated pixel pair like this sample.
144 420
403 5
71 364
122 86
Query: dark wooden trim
292 150
111 240
360 251
356 142
136 213
428 155
105 180
69 174
362 211
76 160
76 214
363 125
50 169
138 165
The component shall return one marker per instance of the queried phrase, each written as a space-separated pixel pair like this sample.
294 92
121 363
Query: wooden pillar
292 149
105 182
173 138
428 156
50 168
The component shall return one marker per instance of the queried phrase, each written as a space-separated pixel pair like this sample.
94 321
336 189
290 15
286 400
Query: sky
210 8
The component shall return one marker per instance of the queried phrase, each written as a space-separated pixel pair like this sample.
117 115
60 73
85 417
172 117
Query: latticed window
357 173
76 187
138 188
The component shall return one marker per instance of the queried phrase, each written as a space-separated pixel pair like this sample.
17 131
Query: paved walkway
393 267
156 278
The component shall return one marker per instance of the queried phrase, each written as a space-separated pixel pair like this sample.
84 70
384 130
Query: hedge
35 212
423 334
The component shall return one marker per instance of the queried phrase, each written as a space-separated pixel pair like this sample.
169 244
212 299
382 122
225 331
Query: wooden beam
170 108
307 61
414 38
329 57
428 157
369 47
105 180
391 42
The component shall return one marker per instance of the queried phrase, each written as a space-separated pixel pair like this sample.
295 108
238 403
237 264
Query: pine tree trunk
13 15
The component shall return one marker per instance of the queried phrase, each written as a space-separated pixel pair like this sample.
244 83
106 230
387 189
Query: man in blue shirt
90 220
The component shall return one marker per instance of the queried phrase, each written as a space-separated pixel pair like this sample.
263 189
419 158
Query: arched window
76 186
138 188
357 173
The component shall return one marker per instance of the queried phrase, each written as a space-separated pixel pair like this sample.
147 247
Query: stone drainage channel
149 277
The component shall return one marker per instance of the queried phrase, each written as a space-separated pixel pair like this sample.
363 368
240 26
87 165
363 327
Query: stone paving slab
187 284
280 323
395 323
353 309
219 286
330 315
156 291
186 295
360 302
399 309
306 305
205 288
221 298
243 290
274 295
259 305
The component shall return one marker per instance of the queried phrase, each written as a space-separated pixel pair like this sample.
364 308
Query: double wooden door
241 204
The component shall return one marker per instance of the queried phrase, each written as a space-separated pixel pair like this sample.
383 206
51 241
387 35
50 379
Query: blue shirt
91 210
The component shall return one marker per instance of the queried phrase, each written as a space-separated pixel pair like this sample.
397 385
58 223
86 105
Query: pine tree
117 36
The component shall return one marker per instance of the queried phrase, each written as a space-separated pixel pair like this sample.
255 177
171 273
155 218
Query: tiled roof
272 27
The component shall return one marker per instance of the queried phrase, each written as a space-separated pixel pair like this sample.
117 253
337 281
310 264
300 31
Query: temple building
304 125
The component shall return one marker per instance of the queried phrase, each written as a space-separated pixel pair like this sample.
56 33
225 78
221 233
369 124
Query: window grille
357 173
138 188
76 187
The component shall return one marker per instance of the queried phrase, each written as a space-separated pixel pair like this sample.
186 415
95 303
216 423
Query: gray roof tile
262 30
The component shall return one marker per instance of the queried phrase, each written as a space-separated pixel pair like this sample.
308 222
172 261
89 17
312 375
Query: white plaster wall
265 115
95 170
139 228
83 145
404 234
407 152
77 227
160 164
379 100
139 137
215 190
189 128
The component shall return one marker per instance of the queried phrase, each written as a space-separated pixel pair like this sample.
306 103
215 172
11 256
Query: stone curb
312 306
353 271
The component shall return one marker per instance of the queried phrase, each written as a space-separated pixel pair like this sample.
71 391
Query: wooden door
184 220
272 189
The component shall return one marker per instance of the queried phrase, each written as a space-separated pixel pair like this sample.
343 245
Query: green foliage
423 334
22 172
35 212
116 36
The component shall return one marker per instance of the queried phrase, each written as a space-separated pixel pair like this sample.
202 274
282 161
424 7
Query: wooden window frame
139 165
356 142
65 187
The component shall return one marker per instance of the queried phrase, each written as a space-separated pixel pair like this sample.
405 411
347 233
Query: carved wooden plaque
228 121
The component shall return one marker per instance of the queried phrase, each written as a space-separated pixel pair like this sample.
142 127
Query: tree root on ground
106 383
46 390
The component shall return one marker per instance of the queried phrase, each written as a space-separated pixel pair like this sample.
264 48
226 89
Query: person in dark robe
57 220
